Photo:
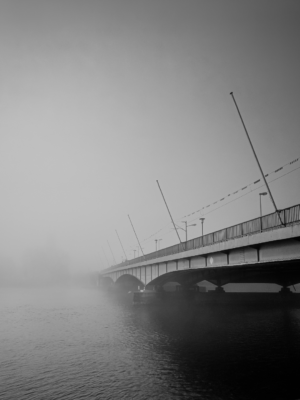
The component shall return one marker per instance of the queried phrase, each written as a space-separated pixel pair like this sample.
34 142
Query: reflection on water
80 343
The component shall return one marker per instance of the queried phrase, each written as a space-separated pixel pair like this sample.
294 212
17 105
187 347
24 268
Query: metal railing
289 216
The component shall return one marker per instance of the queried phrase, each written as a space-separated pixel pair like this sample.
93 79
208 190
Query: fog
100 98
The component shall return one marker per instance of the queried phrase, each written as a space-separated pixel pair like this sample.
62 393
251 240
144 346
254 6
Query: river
85 343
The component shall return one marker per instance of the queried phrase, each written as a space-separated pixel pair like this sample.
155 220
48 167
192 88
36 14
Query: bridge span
262 250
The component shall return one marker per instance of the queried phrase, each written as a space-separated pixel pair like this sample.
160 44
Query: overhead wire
243 195
231 194
222 199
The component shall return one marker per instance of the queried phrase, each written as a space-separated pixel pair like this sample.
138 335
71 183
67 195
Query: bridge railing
292 214
288 216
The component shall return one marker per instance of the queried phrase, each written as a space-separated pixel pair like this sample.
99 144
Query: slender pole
202 220
136 236
112 253
260 206
157 244
170 214
121 245
260 212
185 230
259 166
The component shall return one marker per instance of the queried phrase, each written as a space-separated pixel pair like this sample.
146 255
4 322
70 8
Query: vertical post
202 221
186 237
260 212
260 205
261 194
259 166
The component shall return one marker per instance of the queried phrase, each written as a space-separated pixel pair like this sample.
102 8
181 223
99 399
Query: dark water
80 343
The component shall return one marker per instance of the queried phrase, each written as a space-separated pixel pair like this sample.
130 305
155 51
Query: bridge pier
285 290
219 289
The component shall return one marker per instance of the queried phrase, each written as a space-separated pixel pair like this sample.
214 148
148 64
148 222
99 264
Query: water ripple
86 344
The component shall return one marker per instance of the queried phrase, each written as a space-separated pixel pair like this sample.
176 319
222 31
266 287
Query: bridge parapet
216 241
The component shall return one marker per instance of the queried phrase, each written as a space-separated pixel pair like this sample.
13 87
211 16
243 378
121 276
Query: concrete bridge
262 250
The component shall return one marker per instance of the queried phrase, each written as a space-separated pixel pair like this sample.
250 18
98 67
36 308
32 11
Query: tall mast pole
136 236
112 253
170 214
121 245
259 166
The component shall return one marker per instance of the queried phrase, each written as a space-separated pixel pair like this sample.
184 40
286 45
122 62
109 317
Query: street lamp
202 220
134 250
261 194
186 226
157 246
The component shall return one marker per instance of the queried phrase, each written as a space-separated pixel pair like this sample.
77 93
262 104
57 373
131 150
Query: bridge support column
285 290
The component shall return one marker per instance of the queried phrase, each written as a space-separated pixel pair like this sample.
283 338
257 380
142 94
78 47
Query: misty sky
100 98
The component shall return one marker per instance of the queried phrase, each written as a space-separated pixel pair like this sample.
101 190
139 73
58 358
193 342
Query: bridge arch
107 281
130 282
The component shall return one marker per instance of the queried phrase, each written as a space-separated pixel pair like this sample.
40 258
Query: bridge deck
251 234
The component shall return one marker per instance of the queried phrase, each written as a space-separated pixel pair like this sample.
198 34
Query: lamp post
202 220
186 230
157 244
261 194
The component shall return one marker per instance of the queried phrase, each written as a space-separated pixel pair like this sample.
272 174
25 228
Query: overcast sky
99 99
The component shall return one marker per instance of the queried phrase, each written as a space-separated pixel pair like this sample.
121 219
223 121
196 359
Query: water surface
84 343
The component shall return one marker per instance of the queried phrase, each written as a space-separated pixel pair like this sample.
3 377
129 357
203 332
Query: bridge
262 250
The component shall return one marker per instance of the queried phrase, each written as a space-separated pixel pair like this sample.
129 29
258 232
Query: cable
243 195
223 205
243 188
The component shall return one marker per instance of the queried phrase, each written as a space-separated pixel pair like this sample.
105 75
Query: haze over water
98 100
84 343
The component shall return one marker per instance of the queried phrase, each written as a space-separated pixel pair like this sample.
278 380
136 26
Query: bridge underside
266 257
284 273
129 281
